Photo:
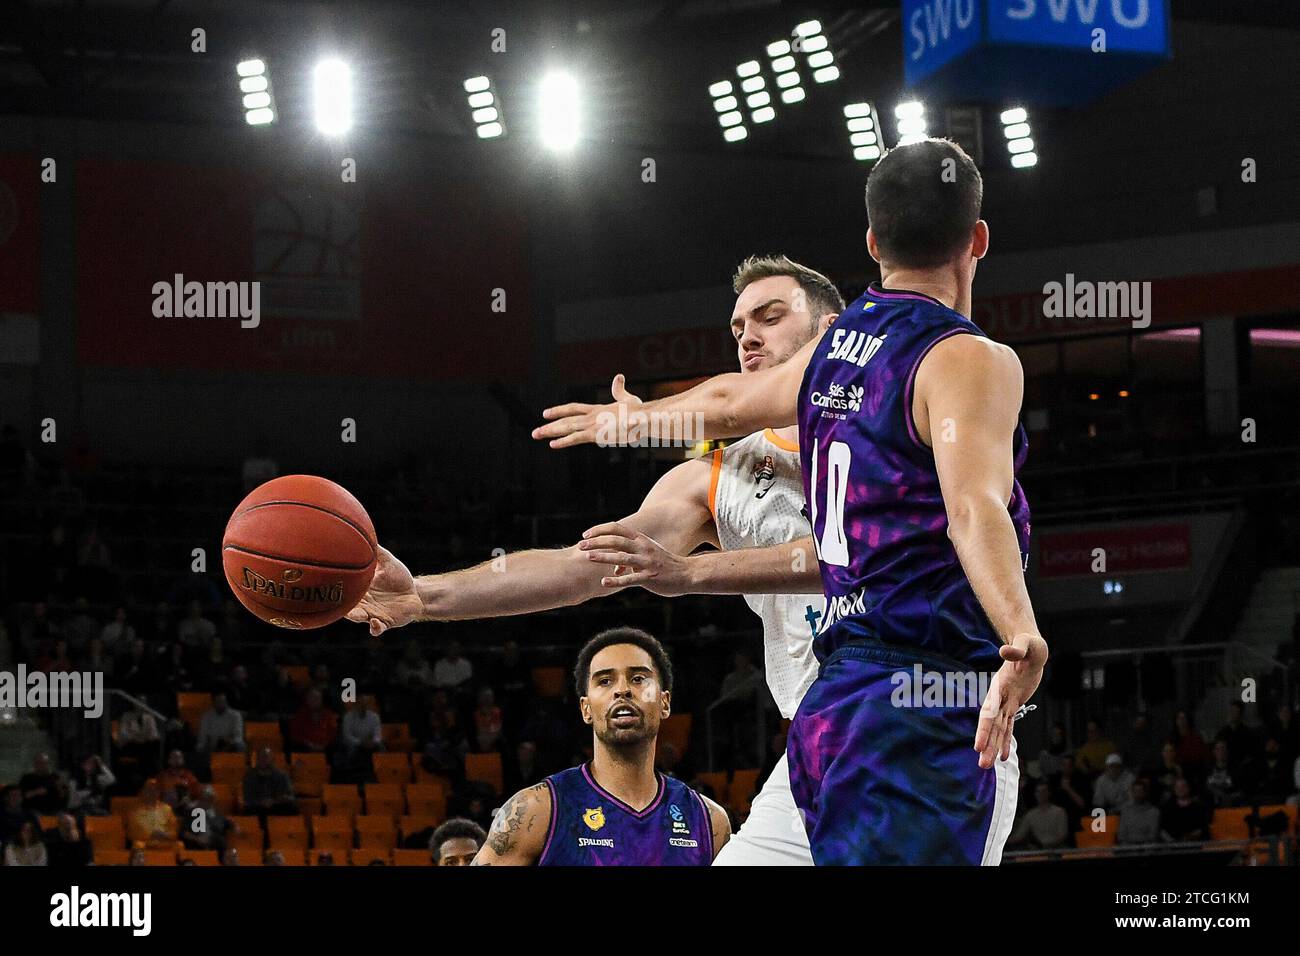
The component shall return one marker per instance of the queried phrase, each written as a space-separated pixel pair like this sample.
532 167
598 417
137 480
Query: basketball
299 551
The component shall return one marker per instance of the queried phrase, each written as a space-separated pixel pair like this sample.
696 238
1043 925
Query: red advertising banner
1158 547
376 280
20 232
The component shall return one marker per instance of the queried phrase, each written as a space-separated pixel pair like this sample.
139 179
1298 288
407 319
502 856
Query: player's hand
578 423
637 559
391 600
1012 686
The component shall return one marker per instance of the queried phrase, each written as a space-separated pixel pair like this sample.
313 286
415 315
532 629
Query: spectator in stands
138 858
138 739
1045 826
207 829
1184 817
267 789
162 629
413 670
231 629
221 728
66 845
91 782
1268 778
1071 787
44 791
80 627
1193 754
453 669
1287 729
1051 756
487 721
513 678
177 783
151 824
1242 743
1091 757
444 745
38 633
26 849
281 696
230 857
456 842
361 734
56 660
97 660
1219 784
273 858
195 631
174 669
13 814
137 672
1140 821
1140 748
524 769
324 858
314 728
1112 790
118 634
1168 772
240 693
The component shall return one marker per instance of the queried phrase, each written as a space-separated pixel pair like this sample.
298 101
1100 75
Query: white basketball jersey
756 495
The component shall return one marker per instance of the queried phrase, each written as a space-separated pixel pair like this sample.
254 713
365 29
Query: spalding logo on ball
299 551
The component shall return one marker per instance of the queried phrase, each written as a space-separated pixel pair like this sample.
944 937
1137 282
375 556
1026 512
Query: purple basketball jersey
889 571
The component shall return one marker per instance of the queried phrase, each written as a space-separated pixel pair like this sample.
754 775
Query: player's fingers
626 580
569 410
559 427
571 440
358 616
606 541
1010 652
377 627
610 527
617 557
982 731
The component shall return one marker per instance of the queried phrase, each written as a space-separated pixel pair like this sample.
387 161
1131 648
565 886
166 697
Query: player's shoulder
973 353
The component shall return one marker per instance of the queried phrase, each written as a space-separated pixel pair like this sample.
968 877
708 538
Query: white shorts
773 835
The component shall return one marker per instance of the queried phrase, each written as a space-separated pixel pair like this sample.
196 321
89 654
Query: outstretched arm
518 833
724 406
789 568
676 511
966 405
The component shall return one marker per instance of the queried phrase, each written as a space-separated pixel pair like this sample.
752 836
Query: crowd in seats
1150 788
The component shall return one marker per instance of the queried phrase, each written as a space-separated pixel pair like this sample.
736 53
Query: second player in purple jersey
889 570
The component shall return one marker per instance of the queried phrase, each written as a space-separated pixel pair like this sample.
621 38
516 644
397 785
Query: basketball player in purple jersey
910 441
617 810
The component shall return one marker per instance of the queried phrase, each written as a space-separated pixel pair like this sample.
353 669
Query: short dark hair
622 635
455 829
921 210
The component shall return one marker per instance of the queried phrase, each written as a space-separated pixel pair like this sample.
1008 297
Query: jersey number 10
832 544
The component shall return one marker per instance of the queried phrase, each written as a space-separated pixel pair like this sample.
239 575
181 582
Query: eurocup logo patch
595 819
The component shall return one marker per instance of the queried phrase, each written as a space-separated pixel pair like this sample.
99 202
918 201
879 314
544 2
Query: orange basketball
299 551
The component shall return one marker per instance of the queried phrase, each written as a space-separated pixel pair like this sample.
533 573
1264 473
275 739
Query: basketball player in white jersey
746 499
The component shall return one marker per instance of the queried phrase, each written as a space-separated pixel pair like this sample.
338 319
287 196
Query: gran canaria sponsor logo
838 399
288 591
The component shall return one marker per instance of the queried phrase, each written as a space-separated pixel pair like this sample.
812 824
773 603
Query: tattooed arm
719 822
519 830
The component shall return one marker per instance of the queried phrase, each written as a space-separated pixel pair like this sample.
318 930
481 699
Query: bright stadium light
255 85
728 108
558 110
785 69
1020 144
735 134
911 122
864 133
485 108
332 96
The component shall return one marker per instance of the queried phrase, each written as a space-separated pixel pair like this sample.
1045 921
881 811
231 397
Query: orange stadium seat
1290 811
121 806
228 769
376 832
112 857
106 833
286 831
191 706
384 799
225 796
412 858
249 836
1087 838
159 857
549 681
485 768
341 798
200 857
397 738
392 768
249 856
1229 823
676 730
366 855
309 772
717 782
414 823
48 822
426 799
299 675
331 833
265 733
293 855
